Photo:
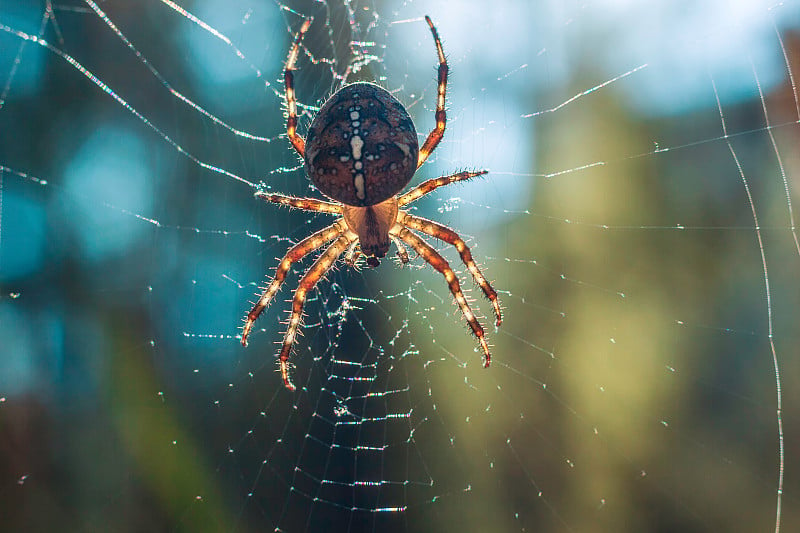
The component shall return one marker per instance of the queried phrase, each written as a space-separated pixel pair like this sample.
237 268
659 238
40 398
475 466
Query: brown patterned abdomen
361 148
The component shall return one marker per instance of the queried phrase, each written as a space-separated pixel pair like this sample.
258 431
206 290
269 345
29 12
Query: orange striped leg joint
291 100
441 115
428 186
440 263
295 253
449 236
307 283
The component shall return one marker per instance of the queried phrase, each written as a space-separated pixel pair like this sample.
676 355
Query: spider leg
295 253
402 253
291 101
352 254
432 184
441 116
307 283
449 236
306 204
438 262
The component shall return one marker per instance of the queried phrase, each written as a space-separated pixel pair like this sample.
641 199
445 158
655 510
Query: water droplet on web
450 205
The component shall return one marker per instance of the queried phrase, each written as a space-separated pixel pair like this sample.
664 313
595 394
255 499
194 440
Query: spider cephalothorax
361 150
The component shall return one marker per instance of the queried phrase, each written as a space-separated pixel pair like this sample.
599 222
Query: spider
361 150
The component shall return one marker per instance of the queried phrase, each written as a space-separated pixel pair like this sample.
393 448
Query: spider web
638 223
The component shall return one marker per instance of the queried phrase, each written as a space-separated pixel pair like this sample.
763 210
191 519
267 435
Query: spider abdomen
361 148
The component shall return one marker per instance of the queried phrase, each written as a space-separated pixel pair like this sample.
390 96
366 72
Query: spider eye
373 261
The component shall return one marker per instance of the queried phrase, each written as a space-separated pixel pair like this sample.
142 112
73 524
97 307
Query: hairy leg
441 115
291 101
295 253
431 185
449 236
306 204
307 283
438 262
